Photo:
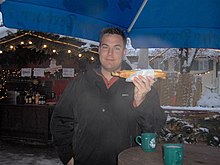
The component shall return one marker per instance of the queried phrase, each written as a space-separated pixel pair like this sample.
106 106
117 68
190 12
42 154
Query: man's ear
99 49
125 51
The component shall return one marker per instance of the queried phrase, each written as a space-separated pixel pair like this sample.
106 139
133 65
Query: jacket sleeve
150 115
62 124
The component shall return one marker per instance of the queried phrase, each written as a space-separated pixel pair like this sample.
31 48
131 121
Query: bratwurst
130 74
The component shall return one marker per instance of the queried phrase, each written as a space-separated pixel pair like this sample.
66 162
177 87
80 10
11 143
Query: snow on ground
197 108
209 100
19 154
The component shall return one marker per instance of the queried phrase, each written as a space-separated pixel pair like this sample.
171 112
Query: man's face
111 52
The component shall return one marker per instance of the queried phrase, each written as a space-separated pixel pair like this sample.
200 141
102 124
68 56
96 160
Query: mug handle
138 140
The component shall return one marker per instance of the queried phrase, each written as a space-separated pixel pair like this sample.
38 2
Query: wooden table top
193 154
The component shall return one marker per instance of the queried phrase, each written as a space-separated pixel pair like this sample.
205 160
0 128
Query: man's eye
117 48
104 47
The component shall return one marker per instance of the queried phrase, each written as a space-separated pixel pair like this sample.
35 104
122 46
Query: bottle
26 99
40 100
33 99
53 94
43 99
37 96
29 99
18 98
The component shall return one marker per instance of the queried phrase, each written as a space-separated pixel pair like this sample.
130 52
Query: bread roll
130 74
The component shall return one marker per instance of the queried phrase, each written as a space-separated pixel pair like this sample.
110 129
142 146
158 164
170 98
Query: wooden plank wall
179 89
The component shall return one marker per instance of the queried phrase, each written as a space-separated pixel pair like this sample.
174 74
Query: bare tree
187 56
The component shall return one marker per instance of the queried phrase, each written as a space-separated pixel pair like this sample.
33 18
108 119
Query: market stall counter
26 121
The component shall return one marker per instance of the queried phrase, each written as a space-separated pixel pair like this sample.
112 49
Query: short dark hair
114 30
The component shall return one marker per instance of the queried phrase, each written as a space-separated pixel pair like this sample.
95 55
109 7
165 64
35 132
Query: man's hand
142 87
71 162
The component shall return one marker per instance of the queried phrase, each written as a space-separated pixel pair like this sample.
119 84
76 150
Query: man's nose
110 51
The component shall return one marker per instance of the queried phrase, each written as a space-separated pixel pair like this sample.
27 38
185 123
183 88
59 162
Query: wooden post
143 60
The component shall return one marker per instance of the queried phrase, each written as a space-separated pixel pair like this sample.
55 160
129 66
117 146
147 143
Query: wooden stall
27 122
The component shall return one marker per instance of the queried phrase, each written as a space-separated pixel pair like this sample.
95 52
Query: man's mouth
109 59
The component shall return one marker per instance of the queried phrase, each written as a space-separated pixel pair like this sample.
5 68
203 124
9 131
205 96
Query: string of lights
48 44
14 42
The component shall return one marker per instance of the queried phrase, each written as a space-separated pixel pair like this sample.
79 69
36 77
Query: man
99 115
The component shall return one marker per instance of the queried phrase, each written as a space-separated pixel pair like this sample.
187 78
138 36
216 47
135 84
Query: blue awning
160 24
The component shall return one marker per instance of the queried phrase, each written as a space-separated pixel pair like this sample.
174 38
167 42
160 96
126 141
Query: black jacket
93 124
